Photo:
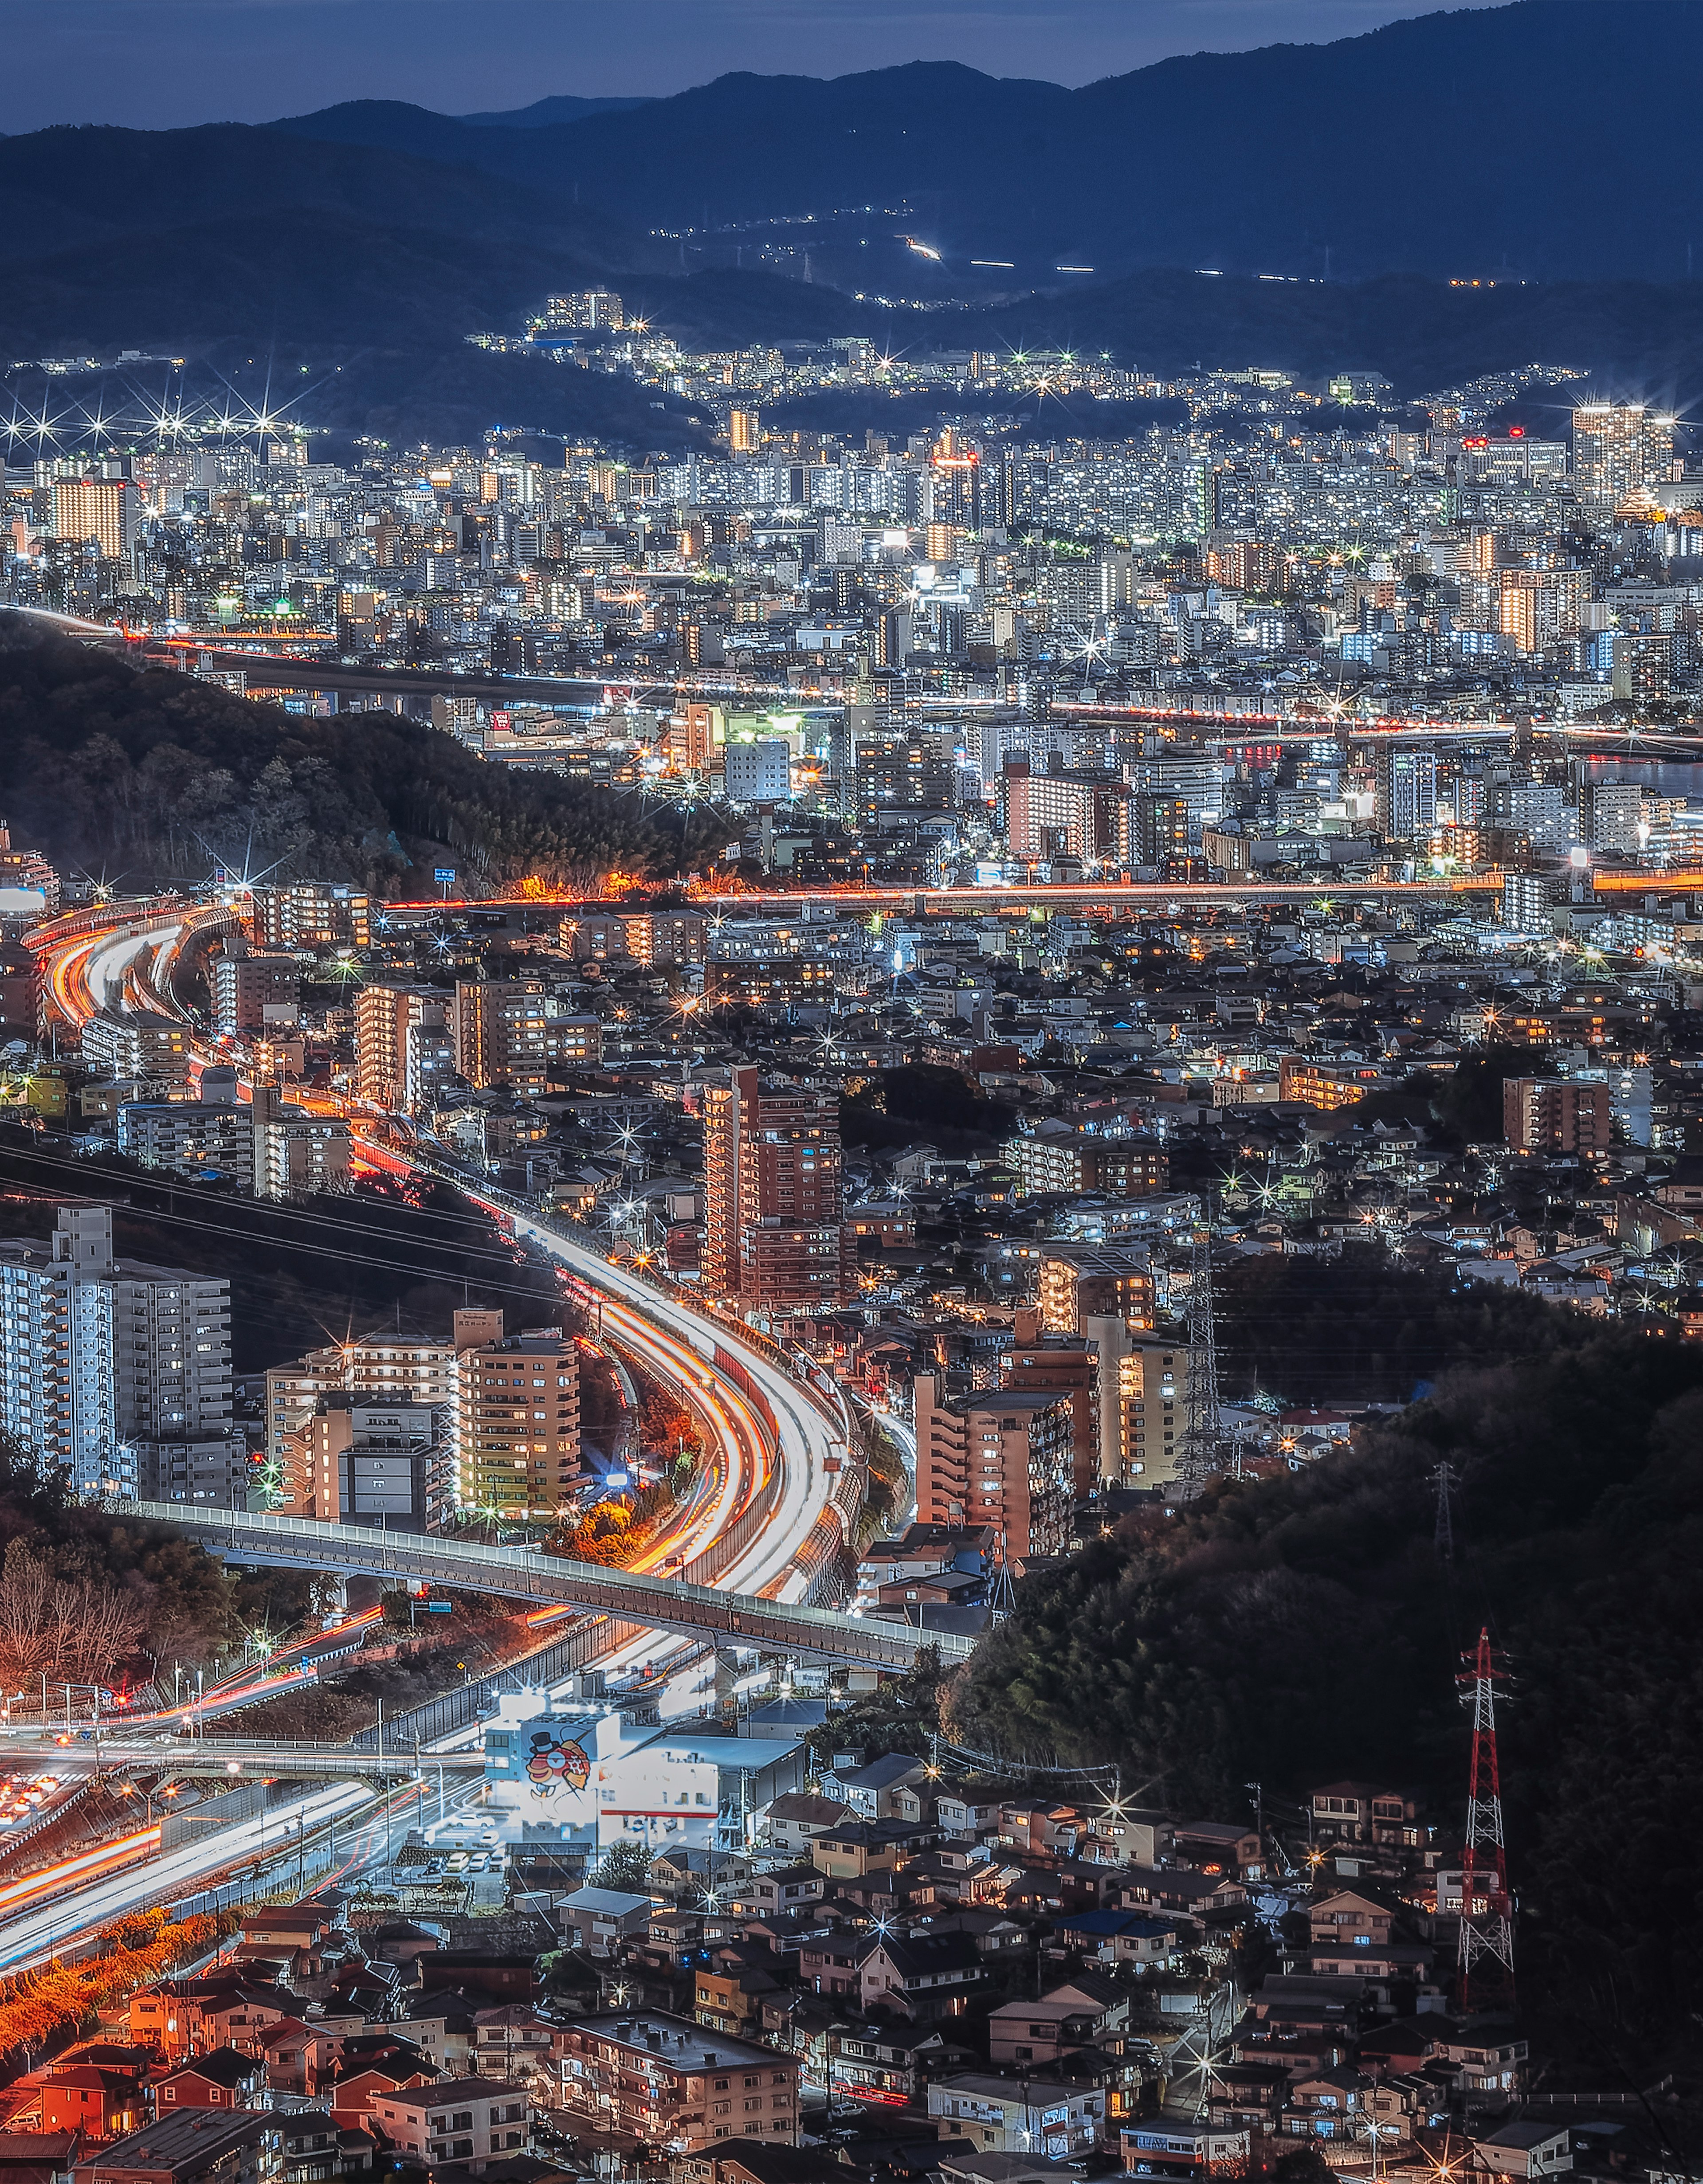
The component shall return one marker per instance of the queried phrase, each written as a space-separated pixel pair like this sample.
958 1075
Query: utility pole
1486 1923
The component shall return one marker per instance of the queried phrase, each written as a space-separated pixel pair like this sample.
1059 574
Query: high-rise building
1004 1457
348 1461
499 1033
1406 804
404 1045
1065 812
905 771
1621 452
773 1229
759 772
193 1137
520 1423
1554 1114
745 430
1161 828
247 985
141 1048
390 1365
298 1154
117 1372
1058 1159
1066 1365
102 511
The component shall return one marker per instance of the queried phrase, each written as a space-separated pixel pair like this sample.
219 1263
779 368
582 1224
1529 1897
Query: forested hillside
145 776
1296 1631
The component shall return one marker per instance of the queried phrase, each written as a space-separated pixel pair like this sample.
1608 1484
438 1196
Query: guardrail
735 1619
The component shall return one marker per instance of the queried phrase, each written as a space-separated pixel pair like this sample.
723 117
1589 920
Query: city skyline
201 61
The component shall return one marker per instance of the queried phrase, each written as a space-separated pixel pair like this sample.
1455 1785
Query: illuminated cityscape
826 1183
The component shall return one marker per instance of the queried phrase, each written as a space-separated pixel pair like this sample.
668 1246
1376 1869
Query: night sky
163 64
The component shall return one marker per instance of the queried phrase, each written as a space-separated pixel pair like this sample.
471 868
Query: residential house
1016 2115
601 1920
1119 1937
100 2104
1523 2150
1219 1847
1172 2146
508 2040
1365 1813
795 1819
785 1889
924 1975
317 2148
1086 2012
868 1789
224 2079
471 2122
888 2066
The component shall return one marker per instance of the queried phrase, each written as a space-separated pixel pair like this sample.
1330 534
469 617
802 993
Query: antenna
1202 1442
1486 1923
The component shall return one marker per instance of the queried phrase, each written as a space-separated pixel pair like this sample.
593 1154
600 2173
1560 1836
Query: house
1364 1812
1523 2150
292 1934
868 1791
1012 2115
795 1819
1182 1889
510 2038
730 1997
1219 1847
196 2148
440 2024
470 2121
317 2147
967 1810
1170 2146
221 2080
1350 1916
1083 2012
1004 2168
370 2068
922 1975
851 1851
787 1888
1325 2104
887 2065
601 1919
1119 1937
38 2157
297 2055
100 2104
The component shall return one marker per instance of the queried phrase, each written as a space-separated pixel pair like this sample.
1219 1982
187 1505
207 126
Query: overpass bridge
728 1620
230 1757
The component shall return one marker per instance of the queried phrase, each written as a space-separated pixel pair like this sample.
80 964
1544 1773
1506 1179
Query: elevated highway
724 1617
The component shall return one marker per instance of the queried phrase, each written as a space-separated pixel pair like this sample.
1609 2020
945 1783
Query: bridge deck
728 1619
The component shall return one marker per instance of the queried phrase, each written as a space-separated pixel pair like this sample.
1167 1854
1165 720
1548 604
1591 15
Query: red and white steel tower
1487 1922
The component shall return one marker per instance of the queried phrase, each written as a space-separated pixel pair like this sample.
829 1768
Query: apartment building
1003 1458
668 2081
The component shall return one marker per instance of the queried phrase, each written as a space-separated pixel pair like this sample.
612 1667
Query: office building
405 1046
500 1035
1560 1114
1005 1457
117 1372
520 1423
773 1236
253 991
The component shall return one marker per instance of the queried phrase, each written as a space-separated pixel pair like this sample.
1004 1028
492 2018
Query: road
32 1936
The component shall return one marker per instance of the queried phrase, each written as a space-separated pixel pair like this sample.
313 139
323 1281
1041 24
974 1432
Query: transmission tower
1002 1599
1445 1480
1487 1923
1203 1451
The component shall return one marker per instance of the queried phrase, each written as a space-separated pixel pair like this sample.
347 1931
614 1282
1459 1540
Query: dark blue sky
160 63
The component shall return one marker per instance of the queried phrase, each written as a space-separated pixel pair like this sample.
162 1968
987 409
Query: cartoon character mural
555 1762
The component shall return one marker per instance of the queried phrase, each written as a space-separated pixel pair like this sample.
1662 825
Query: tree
70 1631
625 1868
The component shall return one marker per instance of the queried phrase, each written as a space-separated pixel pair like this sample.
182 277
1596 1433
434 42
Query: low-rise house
795 1819
1523 2150
317 2148
868 1791
1083 2012
510 2039
1018 2115
100 2104
888 2066
470 2122
224 2079
1119 1937
1219 1847
602 1920
1365 1813
787 1888
1174 2146
924 1975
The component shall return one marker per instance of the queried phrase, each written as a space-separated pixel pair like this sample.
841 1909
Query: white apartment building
118 1373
